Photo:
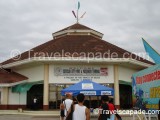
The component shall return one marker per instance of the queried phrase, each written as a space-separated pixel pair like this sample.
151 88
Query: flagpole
77 15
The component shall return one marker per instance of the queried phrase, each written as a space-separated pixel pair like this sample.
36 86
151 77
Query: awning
24 87
89 88
125 82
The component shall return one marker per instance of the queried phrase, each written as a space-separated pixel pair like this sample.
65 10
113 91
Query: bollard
20 110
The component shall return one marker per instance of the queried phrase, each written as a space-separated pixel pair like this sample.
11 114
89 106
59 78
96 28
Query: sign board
88 92
105 92
70 74
146 88
80 71
87 86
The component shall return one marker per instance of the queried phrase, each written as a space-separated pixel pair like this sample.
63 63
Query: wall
34 73
16 98
126 73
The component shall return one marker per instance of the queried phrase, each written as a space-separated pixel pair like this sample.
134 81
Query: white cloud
28 23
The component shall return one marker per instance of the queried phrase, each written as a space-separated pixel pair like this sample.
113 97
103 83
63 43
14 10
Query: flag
152 53
74 14
78 5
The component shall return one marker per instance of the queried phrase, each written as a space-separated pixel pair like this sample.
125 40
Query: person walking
74 100
67 103
62 108
81 112
35 103
104 113
112 109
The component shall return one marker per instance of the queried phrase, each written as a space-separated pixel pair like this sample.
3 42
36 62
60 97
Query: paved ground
43 115
28 117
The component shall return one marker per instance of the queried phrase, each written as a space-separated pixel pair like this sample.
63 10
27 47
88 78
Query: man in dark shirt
104 114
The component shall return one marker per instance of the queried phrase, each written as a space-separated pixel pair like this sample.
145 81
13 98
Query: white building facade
47 74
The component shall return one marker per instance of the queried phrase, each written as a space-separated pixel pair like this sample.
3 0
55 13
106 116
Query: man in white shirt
67 102
81 112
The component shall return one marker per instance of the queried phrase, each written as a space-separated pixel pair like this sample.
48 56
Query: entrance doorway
55 96
35 91
125 96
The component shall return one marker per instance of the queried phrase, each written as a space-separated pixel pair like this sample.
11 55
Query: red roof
10 77
75 45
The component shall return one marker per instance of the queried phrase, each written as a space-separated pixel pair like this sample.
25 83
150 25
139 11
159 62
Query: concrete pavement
37 115
27 112
43 115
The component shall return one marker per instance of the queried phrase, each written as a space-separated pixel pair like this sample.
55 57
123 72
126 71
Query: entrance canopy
87 87
24 87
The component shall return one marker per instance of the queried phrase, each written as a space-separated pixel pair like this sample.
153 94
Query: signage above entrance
81 71
70 74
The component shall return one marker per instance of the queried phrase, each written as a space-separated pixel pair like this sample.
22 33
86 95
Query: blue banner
152 53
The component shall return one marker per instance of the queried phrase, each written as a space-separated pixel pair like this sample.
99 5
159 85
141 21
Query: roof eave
12 84
77 59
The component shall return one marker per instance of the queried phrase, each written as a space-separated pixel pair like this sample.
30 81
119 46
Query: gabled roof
7 77
74 46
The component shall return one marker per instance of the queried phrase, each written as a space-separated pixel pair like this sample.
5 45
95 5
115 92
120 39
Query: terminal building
75 53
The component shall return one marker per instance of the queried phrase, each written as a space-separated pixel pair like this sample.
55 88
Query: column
46 88
5 97
116 86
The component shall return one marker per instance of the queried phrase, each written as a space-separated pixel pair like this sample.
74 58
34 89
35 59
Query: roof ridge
75 26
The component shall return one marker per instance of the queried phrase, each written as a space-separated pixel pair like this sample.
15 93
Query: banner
152 53
146 88
87 86
88 93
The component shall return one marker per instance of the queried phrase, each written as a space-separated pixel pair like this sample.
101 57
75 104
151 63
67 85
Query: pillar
46 88
5 97
116 86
